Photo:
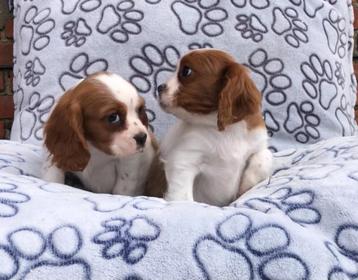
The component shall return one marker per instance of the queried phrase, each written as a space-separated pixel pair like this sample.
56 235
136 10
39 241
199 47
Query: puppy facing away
98 130
218 148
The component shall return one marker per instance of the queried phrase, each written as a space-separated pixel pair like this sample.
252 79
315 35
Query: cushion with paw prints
299 53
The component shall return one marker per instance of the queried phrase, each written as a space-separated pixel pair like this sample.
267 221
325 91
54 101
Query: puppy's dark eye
185 71
141 110
142 115
114 118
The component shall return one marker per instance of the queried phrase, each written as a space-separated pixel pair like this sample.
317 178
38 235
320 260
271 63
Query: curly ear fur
64 135
238 98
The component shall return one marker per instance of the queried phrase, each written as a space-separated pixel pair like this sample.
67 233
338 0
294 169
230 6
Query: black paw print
302 122
18 92
153 67
80 67
251 27
10 198
34 33
120 21
271 81
68 7
258 4
128 239
310 7
196 46
113 204
296 204
33 117
318 82
195 14
332 2
34 70
344 117
286 22
340 75
344 250
153 1
237 239
335 30
48 252
75 32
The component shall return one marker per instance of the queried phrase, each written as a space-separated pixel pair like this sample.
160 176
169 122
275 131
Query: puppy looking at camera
98 130
218 148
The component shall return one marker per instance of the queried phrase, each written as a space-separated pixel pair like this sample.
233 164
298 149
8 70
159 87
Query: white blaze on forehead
121 89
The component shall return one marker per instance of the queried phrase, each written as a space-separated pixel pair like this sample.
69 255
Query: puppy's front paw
258 169
178 196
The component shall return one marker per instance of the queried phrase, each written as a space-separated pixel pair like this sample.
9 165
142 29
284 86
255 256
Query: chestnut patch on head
87 113
201 78
212 81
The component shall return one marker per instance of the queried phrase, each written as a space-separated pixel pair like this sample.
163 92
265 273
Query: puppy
218 148
98 130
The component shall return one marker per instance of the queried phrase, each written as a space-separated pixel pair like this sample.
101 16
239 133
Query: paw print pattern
334 28
76 32
238 241
344 119
80 67
310 7
195 46
120 21
35 31
319 80
297 205
114 204
153 66
34 115
345 251
286 22
339 74
353 84
271 81
332 2
8 160
258 4
128 239
34 70
68 7
251 27
302 122
47 252
203 14
153 1
346 152
18 92
10 198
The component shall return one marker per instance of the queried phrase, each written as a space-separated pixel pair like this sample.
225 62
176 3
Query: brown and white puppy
99 131
218 148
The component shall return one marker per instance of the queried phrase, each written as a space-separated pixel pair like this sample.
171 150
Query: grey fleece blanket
302 224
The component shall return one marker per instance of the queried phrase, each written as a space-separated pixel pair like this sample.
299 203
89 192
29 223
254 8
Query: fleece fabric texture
300 224
299 53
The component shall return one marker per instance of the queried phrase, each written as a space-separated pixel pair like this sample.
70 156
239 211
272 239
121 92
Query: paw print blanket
300 224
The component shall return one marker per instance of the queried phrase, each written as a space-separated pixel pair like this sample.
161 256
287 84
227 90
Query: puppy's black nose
161 88
140 138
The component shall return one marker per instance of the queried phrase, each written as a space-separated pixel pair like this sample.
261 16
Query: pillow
299 53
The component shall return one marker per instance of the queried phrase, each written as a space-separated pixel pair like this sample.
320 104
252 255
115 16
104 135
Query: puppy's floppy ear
64 135
238 98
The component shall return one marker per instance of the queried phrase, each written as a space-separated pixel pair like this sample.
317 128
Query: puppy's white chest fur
211 161
124 176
